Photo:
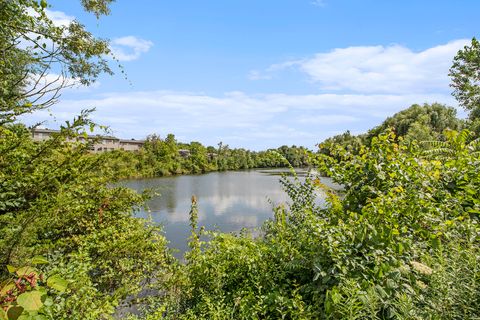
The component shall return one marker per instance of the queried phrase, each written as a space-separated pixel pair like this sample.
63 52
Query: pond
227 201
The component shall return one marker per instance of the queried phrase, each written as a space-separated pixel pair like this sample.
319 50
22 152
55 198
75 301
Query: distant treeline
166 156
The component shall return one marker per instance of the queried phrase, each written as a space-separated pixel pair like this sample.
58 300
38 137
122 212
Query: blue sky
261 73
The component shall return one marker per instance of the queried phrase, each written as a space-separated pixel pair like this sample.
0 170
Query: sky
260 74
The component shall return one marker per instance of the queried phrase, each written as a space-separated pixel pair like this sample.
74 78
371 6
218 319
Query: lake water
227 201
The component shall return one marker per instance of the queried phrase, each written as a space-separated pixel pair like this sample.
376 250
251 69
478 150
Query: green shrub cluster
401 242
55 202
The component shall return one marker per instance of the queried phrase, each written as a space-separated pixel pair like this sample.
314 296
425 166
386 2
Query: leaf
39 260
58 283
30 301
436 243
14 312
6 286
25 271
11 269
48 302
43 4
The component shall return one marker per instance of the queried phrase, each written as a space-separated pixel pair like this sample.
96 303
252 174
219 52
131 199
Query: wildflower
404 269
421 284
421 268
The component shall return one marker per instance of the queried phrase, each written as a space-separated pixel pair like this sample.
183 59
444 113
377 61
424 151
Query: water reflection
227 201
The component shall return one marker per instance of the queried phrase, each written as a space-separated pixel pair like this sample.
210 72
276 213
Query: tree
465 73
40 58
419 122
56 199
198 159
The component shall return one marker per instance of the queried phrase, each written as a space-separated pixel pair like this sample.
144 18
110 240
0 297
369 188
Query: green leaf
43 4
436 243
14 312
11 269
25 271
48 302
39 260
58 283
6 286
30 301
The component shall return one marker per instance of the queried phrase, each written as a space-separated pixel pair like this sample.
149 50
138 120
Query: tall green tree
465 73
56 199
40 58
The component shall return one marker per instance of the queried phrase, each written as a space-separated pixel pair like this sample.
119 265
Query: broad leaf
58 283
6 286
30 301
14 312
39 260
25 271
11 269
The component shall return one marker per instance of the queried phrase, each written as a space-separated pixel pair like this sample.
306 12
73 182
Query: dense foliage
70 246
55 202
401 241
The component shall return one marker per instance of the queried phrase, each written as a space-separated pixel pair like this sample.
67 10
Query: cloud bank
130 48
391 69
237 118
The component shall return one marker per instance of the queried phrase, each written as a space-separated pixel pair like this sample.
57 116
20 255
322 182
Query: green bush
400 243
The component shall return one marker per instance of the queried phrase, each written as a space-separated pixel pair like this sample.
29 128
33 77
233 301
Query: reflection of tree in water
169 196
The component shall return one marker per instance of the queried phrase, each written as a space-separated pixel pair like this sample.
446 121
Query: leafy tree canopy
465 73
40 57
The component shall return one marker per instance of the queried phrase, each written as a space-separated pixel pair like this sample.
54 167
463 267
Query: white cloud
126 48
391 69
59 18
328 119
236 118
319 3
130 48
257 75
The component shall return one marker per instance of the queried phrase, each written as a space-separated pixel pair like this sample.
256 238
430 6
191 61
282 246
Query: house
100 143
184 153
